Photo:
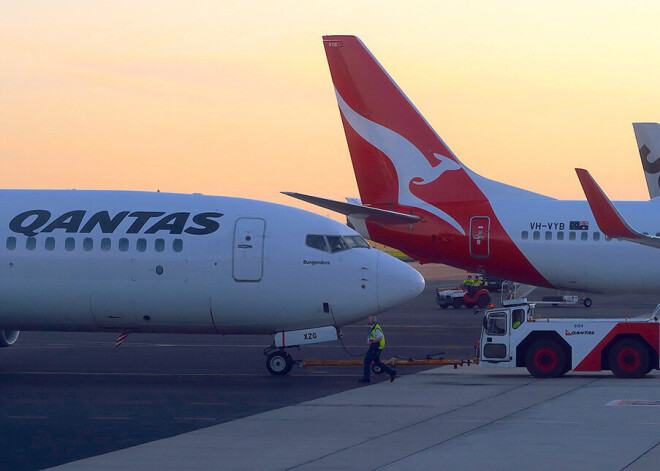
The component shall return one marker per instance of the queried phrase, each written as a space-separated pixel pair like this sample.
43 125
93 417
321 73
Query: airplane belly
75 295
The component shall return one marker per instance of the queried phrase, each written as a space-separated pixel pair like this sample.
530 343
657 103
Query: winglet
607 217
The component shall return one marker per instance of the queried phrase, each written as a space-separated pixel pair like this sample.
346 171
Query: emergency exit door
479 240
249 249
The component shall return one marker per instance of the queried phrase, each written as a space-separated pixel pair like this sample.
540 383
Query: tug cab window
496 324
517 318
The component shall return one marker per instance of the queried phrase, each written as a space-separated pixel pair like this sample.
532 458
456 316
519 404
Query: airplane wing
607 217
381 216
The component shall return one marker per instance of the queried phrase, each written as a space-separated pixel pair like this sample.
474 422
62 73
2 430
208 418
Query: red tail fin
396 154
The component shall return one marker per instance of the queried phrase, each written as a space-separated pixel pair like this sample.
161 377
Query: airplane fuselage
547 242
159 262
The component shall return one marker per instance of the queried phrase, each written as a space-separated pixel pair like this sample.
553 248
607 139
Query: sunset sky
235 98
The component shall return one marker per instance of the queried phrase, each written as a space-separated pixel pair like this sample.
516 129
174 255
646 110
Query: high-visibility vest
372 335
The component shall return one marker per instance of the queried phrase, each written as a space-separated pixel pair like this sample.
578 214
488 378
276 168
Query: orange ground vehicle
463 297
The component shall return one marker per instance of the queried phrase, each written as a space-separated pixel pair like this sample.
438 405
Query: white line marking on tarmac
27 417
110 418
204 419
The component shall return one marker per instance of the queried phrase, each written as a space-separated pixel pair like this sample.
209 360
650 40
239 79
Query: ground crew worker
468 282
376 342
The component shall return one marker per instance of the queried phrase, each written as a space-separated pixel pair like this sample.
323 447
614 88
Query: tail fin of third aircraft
648 142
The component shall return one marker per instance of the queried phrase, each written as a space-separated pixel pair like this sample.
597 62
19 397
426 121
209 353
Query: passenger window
584 236
548 235
123 244
69 244
560 235
517 318
524 235
31 243
596 236
571 235
106 244
356 242
177 245
317 242
11 243
536 235
141 245
496 324
88 244
337 244
159 245
50 243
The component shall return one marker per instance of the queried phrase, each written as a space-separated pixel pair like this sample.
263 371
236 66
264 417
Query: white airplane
418 197
120 261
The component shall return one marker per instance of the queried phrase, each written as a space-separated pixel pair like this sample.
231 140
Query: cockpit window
337 244
357 242
317 242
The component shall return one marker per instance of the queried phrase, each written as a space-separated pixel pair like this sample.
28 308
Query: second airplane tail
400 163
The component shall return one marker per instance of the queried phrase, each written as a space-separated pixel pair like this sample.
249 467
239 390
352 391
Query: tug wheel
629 358
279 363
546 359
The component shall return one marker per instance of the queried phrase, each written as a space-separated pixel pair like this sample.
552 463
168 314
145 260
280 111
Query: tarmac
461 419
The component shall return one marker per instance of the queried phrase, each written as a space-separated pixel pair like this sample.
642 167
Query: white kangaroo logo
410 164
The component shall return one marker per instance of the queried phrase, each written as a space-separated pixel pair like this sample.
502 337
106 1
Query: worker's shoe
364 380
392 376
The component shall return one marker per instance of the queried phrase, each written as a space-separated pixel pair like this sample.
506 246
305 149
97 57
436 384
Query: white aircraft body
417 196
125 262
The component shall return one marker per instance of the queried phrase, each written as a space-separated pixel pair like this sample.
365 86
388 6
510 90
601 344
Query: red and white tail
397 157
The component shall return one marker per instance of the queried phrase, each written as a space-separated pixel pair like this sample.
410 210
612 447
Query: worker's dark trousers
373 354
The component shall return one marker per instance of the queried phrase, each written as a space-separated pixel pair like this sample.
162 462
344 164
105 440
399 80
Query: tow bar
393 362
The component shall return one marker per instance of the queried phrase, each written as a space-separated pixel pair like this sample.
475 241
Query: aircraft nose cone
397 282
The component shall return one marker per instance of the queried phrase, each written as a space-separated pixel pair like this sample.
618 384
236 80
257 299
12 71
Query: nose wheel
279 363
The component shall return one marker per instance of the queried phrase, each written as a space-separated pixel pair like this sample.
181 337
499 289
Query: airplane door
479 239
249 249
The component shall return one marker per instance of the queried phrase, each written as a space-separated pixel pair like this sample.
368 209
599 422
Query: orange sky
236 99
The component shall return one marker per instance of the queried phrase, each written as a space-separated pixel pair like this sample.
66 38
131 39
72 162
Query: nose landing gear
279 363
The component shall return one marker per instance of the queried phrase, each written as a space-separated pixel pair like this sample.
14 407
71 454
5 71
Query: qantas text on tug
160 262
417 196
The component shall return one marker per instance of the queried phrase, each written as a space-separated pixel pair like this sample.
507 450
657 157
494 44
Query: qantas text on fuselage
35 221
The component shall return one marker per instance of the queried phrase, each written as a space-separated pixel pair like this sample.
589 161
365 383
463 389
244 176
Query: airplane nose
397 282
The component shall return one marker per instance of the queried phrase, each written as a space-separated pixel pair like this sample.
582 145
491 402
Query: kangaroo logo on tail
410 164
